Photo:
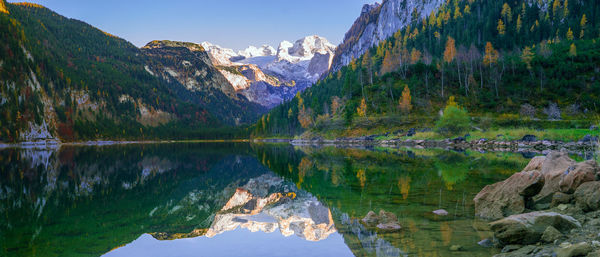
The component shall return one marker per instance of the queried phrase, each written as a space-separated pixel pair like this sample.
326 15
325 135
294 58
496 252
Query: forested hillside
508 60
62 78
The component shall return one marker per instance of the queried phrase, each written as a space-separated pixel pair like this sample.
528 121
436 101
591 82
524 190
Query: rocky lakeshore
527 144
551 208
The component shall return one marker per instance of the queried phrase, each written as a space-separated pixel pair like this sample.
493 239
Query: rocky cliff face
188 64
267 76
378 22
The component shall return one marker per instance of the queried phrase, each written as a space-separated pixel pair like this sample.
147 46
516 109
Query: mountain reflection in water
232 198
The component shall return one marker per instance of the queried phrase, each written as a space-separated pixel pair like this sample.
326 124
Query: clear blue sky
229 23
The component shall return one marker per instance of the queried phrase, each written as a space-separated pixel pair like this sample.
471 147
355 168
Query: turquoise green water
169 200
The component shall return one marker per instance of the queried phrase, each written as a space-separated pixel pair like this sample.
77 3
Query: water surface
232 199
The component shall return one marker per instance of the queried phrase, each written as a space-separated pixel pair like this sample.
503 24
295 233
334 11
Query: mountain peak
253 51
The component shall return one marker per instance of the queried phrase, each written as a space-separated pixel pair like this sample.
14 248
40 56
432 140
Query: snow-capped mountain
378 22
253 51
267 76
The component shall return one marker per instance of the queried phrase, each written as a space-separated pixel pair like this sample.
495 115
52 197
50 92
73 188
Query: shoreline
51 144
458 143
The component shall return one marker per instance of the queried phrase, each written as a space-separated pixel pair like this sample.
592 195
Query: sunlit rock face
267 204
376 23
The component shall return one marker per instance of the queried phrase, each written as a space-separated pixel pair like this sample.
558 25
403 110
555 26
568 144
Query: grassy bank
483 126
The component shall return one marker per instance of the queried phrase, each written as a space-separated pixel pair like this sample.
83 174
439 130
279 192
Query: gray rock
487 243
553 169
440 212
587 196
523 251
511 248
561 198
551 234
594 222
509 196
529 138
576 175
594 254
580 249
528 228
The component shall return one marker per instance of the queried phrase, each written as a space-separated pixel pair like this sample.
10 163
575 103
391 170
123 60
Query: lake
242 199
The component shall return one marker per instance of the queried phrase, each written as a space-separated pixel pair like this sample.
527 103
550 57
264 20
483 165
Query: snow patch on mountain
273 76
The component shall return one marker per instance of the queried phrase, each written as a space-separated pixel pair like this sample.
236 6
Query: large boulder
528 228
509 196
553 169
587 196
576 175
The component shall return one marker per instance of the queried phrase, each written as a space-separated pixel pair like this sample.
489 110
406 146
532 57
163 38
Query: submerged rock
385 221
528 228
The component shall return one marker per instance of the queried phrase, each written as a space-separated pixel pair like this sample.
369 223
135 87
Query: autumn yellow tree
449 54
491 55
506 12
570 34
3 7
362 109
501 27
555 8
572 51
406 100
305 117
388 62
450 50
527 57
336 105
519 24
583 24
415 56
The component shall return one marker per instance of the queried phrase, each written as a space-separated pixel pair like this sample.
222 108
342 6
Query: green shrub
454 121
